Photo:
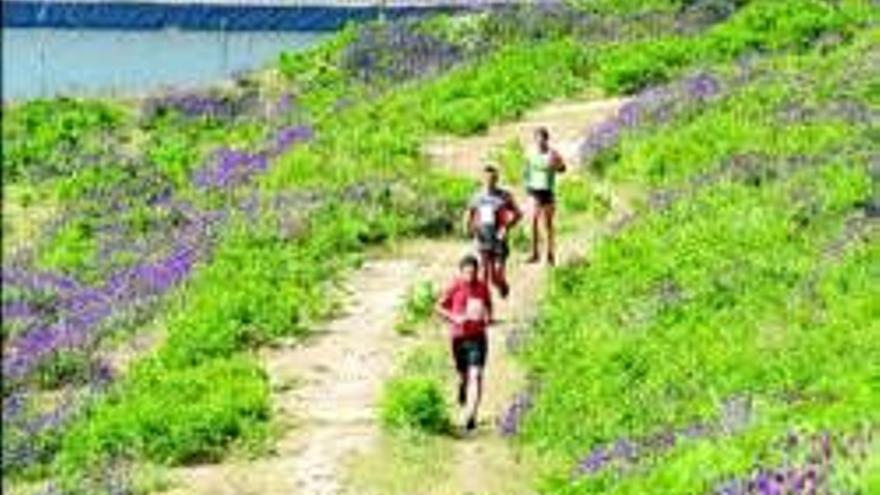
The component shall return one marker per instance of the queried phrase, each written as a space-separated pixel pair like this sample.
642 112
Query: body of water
51 62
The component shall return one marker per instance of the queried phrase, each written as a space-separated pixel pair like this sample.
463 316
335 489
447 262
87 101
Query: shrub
63 368
47 138
72 248
414 403
758 27
418 307
631 67
468 100
579 194
171 416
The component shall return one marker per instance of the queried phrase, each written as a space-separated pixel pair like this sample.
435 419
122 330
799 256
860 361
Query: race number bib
486 213
475 309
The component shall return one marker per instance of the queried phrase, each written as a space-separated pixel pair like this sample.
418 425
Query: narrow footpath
326 387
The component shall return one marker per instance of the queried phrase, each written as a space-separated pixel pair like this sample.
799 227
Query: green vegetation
170 415
760 27
418 308
750 283
71 248
40 135
753 282
415 402
254 266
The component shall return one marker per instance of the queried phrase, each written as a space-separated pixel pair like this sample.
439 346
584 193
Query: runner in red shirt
467 306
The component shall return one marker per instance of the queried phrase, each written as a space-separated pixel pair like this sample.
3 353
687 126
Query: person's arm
469 217
468 221
557 162
516 215
517 212
444 306
489 314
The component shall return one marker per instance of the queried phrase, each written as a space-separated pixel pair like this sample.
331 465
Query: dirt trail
328 385
485 464
567 122
325 387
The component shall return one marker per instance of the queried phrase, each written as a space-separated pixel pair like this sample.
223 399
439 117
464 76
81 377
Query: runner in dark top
540 175
467 306
492 212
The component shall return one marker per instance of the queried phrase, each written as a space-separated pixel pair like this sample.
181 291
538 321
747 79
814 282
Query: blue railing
204 16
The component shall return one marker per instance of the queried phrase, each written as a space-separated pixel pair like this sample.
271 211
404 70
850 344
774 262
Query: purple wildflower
703 86
511 421
288 136
653 105
594 462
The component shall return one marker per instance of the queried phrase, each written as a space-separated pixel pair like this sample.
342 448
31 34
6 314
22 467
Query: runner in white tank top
540 177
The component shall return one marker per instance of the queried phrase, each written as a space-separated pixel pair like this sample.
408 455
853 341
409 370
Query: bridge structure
226 15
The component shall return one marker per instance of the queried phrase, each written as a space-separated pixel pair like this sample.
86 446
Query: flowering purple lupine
18 310
809 467
230 168
83 312
198 105
702 86
284 104
160 239
79 311
734 412
398 51
510 422
288 136
653 105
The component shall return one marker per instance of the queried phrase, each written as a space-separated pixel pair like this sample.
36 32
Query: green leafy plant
414 402
72 248
417 308
171 416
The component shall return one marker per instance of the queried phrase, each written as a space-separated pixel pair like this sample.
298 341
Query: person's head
542 138
490 176
468 268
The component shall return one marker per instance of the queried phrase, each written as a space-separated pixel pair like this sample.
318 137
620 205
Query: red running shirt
471 300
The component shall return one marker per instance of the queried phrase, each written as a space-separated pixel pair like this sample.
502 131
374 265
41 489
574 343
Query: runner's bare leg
475 392
536 217
500 276
487 266
462 388
549 212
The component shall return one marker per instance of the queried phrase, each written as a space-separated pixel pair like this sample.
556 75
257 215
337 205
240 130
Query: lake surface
50 62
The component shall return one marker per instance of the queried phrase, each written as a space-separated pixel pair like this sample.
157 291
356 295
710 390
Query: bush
468 100
63 368
418 307
47 138
579 194
759 27
72 249
635 66
414 403
171 416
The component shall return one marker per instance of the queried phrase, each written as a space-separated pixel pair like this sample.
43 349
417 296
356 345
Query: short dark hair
543 132
468 260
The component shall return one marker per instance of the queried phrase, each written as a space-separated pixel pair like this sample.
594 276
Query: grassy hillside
223 218
725 340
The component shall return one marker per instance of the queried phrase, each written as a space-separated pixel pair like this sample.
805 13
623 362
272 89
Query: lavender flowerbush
652 106
398 51
811 464
148 244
